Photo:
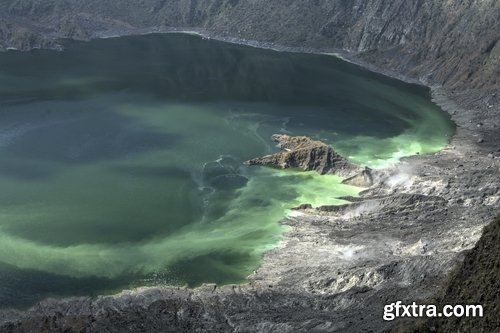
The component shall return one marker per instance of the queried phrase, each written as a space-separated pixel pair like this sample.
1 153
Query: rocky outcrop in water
307 154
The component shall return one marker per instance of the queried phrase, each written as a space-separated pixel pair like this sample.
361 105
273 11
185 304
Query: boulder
365 178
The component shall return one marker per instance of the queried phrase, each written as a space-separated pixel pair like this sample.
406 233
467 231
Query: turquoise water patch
122 159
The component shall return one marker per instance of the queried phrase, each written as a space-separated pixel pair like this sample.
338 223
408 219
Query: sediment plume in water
122 159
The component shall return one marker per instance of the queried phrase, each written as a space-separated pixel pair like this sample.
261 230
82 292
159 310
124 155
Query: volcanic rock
308 154
364 178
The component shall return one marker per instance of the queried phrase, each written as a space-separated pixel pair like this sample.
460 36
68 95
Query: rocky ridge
307 154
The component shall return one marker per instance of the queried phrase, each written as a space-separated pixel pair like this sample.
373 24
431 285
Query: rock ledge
307 154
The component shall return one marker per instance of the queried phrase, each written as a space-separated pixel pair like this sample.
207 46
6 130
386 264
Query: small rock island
308 154
313 155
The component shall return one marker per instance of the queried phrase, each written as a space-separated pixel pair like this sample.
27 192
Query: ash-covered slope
475 281
447 42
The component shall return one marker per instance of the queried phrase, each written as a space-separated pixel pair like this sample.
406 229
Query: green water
121 159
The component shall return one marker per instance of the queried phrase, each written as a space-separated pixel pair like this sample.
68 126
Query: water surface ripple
121 159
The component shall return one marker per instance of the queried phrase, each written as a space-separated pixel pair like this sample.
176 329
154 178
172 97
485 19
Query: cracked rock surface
307 154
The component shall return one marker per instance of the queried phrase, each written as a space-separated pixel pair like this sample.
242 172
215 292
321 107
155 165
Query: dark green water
121 159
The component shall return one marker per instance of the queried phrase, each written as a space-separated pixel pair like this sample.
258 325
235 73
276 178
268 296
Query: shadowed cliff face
476 280
448 42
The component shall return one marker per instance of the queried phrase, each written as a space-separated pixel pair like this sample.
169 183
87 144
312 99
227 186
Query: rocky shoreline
336 268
